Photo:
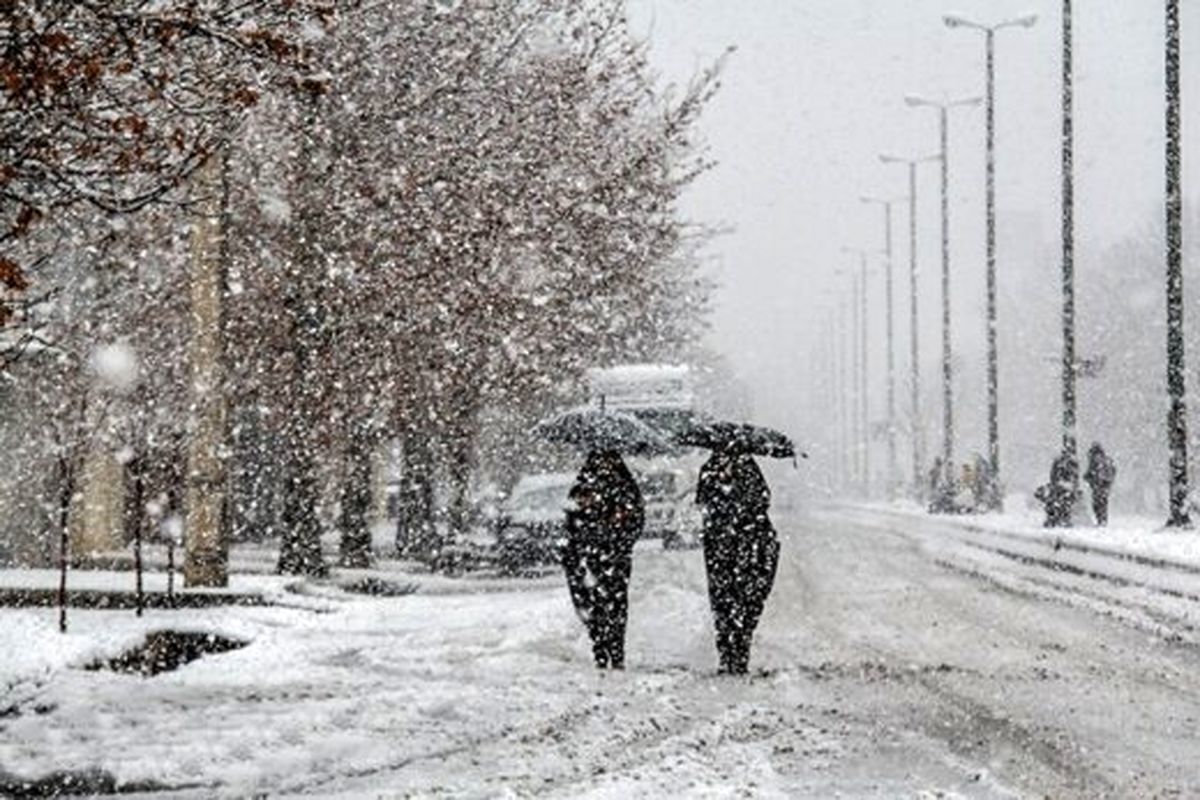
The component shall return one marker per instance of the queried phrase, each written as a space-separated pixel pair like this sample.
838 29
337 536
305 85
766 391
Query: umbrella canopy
594 429
738 437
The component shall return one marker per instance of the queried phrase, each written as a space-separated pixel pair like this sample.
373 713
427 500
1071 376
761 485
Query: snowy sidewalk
1133 569
470 688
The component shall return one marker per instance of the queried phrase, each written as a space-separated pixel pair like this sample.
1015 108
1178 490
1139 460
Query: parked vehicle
662 396
531 526
671 514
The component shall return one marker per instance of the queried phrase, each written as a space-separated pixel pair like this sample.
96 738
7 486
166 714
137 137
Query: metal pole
829 399
855 417
65 490
843 398
891 359
947 374
1068 243
994 500
918 428
862 342
1177 412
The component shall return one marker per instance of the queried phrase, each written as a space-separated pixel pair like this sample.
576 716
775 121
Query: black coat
1101 472
734 496
608 506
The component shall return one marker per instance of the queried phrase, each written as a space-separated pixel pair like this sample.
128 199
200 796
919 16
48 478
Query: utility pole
1177 411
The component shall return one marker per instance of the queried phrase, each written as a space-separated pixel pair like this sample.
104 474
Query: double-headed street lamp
943 107
994 499
886 203
918 429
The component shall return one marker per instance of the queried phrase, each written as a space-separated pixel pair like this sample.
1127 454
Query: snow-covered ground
885 672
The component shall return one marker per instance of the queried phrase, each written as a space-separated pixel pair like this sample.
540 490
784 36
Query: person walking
602 526
1100 474
1061 493
741 551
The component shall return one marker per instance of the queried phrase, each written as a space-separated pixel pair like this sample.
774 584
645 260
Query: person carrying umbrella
604 519
602 527
741 549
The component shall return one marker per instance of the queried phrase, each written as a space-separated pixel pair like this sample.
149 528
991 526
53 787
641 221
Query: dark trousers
1100 506
741 571
598 579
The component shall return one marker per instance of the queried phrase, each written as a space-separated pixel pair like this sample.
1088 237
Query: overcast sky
815 92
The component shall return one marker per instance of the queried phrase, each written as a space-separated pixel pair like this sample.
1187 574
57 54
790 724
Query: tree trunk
206 560
300 546
460 465
356 496
416 534
300 551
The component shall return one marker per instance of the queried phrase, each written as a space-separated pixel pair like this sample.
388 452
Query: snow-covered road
885 674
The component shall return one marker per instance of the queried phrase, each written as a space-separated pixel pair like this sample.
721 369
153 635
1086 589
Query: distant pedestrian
941 488
986 492
606 519
1100 474
1061 493
966 495
741 551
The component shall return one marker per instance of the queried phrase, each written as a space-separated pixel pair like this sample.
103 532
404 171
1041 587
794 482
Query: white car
531 526
671 513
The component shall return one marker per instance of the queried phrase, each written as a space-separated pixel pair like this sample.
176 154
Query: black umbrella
739 437
594 429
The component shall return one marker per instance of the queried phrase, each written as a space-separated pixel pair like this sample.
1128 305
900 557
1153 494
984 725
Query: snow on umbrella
594 429
739 437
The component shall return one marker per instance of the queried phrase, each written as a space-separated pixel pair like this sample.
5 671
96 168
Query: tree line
433 216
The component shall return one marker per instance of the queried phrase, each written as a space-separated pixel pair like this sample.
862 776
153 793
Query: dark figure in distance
602 527
741 551
1101 472
1061 493
943 487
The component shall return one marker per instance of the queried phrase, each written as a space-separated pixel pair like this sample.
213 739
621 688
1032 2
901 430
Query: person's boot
616 655
600 652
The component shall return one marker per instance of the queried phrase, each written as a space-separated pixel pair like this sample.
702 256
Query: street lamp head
888 158
916 100
959 21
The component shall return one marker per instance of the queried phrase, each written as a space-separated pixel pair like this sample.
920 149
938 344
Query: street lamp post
1177 411
829 403
843 415
891 358
863 442
994 500
918 429
943 108
1068 241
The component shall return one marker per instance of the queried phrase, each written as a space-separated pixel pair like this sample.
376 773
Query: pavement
896 658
